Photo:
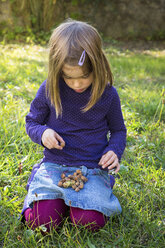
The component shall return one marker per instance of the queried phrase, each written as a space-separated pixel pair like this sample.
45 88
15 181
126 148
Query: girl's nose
76 83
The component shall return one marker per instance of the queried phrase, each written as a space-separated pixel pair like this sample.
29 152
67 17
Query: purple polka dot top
87 135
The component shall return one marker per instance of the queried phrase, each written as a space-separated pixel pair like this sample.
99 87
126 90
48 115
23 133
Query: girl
71 115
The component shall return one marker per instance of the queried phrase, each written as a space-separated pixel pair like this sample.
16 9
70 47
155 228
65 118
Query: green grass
139 79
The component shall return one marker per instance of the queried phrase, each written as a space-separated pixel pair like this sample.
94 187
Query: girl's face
76 79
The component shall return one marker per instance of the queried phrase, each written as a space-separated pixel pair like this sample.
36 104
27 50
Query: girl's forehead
72 71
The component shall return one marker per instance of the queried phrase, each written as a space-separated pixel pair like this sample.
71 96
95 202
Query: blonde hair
66 45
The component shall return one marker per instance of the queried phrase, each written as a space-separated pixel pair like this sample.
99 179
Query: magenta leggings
51 212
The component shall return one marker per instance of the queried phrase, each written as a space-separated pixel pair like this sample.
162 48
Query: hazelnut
66 184
72 182
81 186
79 176
77 183
74 186
62 144
63 175
85 179
60 183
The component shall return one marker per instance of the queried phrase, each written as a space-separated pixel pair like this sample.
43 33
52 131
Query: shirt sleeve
117 139
36 118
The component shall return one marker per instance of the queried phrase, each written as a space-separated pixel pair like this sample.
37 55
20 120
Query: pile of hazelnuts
76 181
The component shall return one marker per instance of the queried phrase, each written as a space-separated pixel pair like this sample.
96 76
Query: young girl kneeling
76 116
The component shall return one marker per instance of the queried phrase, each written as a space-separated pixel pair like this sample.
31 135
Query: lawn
139 76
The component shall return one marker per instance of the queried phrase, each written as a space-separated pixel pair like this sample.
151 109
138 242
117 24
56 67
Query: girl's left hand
110 160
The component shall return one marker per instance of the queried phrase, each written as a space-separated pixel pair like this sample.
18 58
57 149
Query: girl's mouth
79 90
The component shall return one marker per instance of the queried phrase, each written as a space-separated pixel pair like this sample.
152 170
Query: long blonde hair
66 45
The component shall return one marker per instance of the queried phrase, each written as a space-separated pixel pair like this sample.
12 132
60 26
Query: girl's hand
51 139
110 160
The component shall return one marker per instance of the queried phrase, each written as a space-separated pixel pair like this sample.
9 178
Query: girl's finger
113 165
107 156
101 160
118 168
52 143
60 140
48 145
112 159
56 145
109 160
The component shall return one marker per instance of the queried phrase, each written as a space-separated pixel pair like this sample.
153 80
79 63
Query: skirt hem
72 203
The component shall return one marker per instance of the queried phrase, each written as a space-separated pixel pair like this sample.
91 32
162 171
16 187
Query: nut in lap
76 180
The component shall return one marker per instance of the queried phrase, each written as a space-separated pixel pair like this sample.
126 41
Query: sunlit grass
139 79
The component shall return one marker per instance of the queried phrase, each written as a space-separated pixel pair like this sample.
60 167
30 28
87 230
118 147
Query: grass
139 79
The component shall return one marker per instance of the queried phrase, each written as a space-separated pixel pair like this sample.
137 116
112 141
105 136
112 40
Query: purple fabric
85 134
47 212
51 212
93 220
112 181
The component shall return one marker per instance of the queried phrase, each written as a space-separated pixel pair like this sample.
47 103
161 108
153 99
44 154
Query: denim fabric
35 168
96 194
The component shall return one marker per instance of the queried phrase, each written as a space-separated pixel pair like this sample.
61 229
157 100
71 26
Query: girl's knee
93 220
47 212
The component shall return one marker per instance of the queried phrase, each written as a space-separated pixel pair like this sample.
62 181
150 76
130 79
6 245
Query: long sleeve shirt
87 135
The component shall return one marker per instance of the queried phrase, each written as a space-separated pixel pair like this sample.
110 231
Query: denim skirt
96 194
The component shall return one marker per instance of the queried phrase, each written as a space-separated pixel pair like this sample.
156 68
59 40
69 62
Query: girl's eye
86 76
64 76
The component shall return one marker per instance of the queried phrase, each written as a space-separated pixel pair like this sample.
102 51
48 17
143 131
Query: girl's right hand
51 139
